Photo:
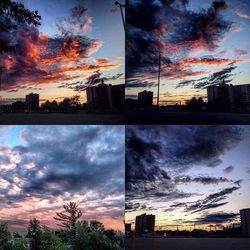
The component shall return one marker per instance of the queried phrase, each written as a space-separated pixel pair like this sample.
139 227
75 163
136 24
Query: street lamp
159 77
121 6
1 72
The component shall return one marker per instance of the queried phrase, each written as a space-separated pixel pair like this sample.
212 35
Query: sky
202 44
44 167
188 176
78 43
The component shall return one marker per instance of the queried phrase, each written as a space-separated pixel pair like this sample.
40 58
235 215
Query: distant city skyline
78 43
187 176
44 167
202 43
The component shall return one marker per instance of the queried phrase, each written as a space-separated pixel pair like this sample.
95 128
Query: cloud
228 169
40 60
169 26
135 83
77 22
218 218
153 154
242 14
211 201
55 164
240 52
222 76
206 61
92 80
206 180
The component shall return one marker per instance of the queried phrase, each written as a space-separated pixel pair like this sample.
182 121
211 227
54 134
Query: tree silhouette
69 218
34 232
5 237
11 14
97 225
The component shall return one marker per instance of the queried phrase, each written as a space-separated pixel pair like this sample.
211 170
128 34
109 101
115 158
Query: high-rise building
245 221
106 97
220 96
224 96
241 96
144 223
98 97
117 96
145 99
32 102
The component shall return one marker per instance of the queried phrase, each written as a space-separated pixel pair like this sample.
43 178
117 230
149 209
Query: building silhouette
18 106
241 96
106 97
229 97
245 221
32 102
145 99
144 224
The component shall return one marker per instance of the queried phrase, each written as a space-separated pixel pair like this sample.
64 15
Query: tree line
67 104
73 235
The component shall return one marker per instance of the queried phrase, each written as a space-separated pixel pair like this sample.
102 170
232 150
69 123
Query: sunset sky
79 42
44 167
203 42
187 175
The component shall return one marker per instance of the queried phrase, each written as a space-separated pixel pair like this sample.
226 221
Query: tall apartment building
224 96
144 223
32 102
106 97
245 221
145 99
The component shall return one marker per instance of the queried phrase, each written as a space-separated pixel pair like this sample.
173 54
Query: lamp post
1 72
159 77
121 6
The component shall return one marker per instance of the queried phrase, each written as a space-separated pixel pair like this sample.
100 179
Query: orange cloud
187 74
42 60
190 62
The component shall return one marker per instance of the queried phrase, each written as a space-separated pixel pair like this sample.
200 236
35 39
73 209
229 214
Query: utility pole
1 73
159 77
121 6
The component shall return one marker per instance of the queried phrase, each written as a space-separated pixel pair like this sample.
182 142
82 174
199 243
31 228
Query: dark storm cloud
154 152
168 25
211 201
131 207
229 169
72 159
222 76
39 59
135 83
93 80
206 180
178 146
206 27
218 218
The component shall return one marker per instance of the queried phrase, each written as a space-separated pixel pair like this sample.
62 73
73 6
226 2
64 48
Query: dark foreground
60 118
174 117
190 244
